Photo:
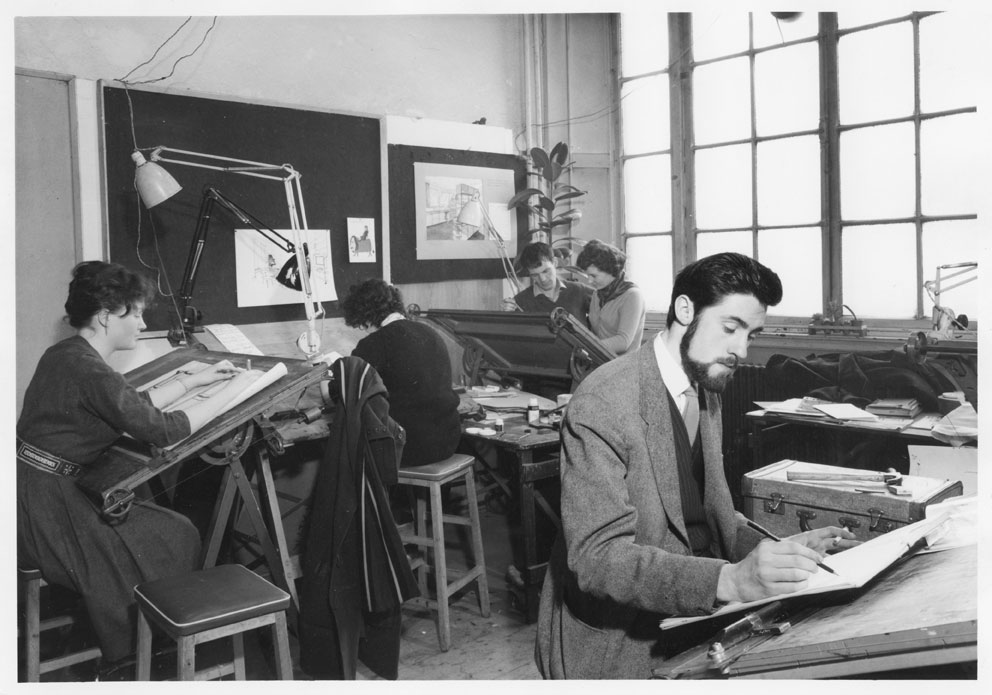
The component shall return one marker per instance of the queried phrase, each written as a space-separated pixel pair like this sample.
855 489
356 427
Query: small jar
533 411
498 426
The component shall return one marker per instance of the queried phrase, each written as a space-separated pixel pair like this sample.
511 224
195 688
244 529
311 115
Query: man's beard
699 372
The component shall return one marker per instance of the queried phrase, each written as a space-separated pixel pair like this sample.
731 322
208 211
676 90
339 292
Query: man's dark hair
370 303
707 281
534 255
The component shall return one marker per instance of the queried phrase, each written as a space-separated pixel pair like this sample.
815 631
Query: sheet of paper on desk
233 339
845 411
791 406
855 566
946 463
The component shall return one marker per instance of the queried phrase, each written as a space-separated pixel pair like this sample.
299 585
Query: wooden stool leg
482 581
238 644
32 630
440 569
420 524
144 653
186 658
280 636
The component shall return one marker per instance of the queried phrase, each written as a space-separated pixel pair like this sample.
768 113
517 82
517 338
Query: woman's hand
220 371
829 539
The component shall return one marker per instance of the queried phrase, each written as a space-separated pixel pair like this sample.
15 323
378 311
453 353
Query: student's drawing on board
267 275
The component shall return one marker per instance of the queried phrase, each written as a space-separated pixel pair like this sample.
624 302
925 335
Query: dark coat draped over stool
355 572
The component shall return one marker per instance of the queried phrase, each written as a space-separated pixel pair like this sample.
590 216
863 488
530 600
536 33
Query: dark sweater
413 362
574 297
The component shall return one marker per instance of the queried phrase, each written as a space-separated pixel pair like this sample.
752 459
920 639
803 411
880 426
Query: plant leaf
562 187
546 203
540 157
559 153
569 195
522 196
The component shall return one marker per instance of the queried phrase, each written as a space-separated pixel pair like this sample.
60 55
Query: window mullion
683 157
830 161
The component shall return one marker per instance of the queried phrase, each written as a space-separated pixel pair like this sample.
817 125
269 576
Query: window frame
682 152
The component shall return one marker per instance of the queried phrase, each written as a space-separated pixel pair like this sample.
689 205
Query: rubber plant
545 203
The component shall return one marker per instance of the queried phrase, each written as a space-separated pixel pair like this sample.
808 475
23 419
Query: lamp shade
154 183
471 213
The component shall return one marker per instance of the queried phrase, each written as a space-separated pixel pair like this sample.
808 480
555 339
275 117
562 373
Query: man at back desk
547 290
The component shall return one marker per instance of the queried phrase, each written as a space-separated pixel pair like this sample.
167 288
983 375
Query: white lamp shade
154 183
471 213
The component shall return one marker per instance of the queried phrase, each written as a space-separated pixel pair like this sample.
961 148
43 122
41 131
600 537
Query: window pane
645 113
946 150
717 34
789 181
721 101
723 187
867 13
647 187
786 90
717 242
875 74
950 64
769 31
945 243
877 172
877 288
795 254
643 42
649 264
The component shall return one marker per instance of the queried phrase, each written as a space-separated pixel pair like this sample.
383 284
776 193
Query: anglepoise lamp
474 214
155 185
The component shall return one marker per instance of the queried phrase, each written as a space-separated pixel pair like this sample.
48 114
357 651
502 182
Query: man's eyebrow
744 324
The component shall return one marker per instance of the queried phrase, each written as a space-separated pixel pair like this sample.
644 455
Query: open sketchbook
855 566
221 395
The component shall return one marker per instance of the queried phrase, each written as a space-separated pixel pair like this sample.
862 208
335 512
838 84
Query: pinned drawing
361 240
269 276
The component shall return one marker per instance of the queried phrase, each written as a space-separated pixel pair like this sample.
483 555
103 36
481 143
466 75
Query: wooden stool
32 581
223 601
434 476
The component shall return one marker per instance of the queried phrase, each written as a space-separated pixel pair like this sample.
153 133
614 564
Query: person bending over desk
413 362
617 309
648 525
75 407
547 290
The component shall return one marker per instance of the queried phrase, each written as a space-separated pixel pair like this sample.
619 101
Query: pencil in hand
771 536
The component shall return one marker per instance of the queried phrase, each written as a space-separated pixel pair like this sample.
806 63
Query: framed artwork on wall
448 218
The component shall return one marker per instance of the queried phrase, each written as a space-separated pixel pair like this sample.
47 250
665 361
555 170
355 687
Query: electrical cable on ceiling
159 267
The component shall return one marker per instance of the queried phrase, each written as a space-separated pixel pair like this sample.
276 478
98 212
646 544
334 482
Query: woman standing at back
75 407
617 309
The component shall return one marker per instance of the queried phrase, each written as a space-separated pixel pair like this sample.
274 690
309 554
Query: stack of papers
813 407
895 407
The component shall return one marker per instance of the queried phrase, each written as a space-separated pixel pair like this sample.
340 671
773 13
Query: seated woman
617 310
413 363
75 407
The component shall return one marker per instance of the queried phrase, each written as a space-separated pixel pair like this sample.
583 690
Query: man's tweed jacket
624 559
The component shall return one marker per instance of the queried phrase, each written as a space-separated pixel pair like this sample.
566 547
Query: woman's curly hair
370 302
606 257
97 285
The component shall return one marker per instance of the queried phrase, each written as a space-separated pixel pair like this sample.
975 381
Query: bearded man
649 530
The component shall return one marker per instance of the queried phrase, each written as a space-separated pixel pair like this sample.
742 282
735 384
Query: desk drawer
787 507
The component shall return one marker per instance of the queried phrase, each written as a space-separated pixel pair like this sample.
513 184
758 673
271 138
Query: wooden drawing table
921 613
526 455
223 441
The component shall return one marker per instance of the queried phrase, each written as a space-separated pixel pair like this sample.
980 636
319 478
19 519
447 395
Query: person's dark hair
534 255
370 302
97 285
606 257
710 279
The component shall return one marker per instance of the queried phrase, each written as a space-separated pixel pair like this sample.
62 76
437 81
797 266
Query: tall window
832 147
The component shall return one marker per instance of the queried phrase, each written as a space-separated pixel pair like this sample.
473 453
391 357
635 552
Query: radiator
747 386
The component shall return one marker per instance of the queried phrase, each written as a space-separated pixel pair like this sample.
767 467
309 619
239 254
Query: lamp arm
231 164
508 270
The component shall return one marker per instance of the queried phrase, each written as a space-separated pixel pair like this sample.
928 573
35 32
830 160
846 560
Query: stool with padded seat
34 626
222 601
432 477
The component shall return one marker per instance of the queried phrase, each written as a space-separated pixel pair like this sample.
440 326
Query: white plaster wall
446 67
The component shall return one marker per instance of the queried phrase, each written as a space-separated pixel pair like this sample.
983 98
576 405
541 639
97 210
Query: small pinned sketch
361 240
268 275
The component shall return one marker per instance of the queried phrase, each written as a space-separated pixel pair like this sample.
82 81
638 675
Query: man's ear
684 310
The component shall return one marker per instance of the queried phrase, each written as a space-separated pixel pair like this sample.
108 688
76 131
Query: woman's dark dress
75 407
413 362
